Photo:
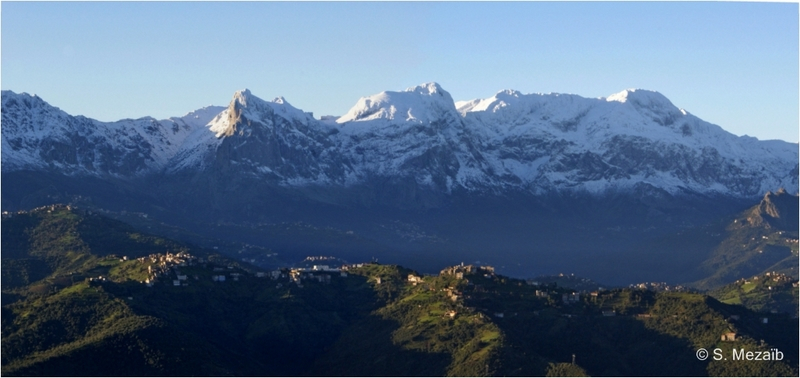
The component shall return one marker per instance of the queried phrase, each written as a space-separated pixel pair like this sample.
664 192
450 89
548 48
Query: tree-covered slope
57 241
172 310
770 292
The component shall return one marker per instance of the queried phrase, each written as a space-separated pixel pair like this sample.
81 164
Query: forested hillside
87 296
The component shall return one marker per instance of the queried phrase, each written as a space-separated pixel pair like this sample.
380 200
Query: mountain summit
776 210
536 182
245 106
531 142
422 104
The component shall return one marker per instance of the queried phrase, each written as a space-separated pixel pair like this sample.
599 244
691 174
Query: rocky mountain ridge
531 183
525 142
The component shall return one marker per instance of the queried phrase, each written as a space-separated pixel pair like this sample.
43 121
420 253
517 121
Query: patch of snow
422 104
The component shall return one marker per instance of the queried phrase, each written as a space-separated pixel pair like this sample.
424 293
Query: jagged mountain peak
642 98
24 100
242 93
37 135
9 94
246 107
424 103
652 105
31 116
246 99
540 142
500 100
430 88
775 204
508 94
776 210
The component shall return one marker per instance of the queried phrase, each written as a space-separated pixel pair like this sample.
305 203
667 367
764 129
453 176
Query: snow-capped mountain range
530 142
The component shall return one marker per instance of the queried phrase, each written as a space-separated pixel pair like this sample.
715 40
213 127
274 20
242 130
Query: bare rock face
260 141
776 210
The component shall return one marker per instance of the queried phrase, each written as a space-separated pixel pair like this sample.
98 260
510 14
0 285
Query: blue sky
732 64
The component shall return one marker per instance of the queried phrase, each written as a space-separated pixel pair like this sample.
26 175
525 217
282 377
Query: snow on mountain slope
422 104
414 134
200 117
420 136
37 135
268 139
246 106
631 137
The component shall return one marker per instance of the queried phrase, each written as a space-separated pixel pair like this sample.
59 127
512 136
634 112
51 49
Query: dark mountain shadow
366 349
596 341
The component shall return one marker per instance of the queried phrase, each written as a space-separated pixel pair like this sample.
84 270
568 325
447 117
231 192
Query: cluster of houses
168 267
414 280
657 286
775 278
165 265
48 209
319 273
459 270
779 278
320 258
453 294
51 208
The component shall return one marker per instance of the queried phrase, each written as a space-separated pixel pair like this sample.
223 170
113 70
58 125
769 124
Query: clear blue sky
732 64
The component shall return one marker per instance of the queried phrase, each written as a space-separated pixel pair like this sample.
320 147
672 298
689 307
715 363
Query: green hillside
420 331
87 296
760 240
57 243
770 292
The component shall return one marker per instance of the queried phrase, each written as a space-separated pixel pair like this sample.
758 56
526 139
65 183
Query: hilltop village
458 285
182 269
190 308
